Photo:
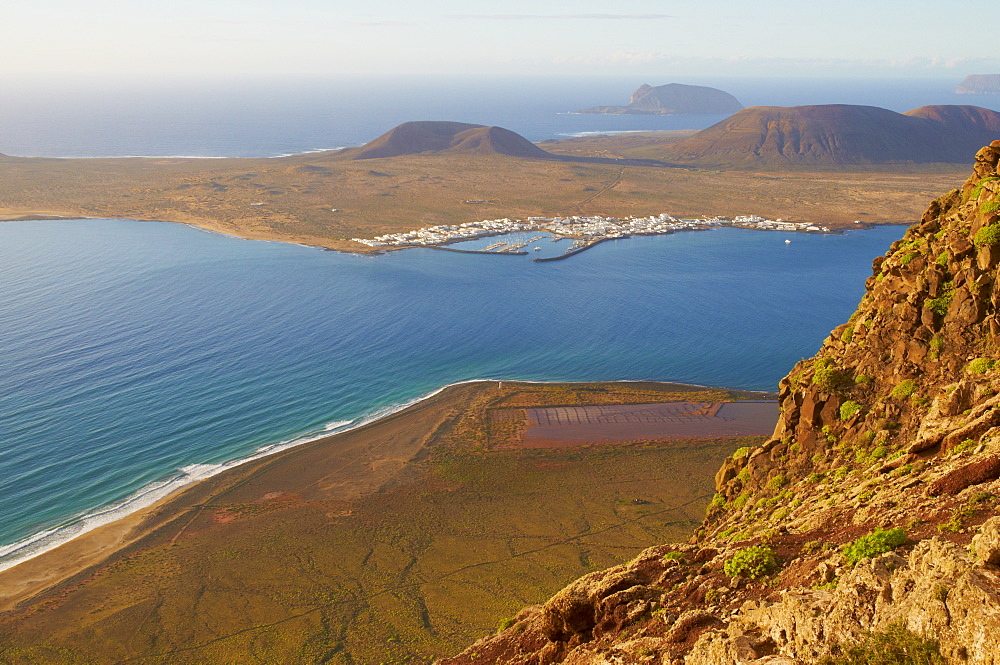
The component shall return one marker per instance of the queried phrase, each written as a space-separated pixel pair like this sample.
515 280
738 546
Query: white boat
788 242
538 249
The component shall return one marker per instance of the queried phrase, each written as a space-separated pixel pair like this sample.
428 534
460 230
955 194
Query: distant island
673 99
979 84
437 173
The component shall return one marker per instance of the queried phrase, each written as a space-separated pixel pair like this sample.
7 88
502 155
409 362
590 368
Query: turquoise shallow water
133 350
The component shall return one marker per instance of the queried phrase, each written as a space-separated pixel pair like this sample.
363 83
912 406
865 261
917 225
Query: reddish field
562 426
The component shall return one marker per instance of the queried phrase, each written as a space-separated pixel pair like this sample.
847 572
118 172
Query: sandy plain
400 541
320 199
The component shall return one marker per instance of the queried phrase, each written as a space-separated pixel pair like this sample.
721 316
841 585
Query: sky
256 38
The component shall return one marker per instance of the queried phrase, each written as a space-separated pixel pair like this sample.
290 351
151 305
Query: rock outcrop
673 98
870 511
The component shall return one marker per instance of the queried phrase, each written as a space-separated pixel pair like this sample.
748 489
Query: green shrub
741 452
847 335
879 452
828 378
989 207
751 562
743 476
739 501
862 379
673 556
848 409
979 366
777 482
936 345
894 646
877 542
904 388
718 501
941 304
906 258
988 235
942 258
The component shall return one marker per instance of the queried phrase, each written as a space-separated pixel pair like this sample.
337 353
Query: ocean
267 118
139 356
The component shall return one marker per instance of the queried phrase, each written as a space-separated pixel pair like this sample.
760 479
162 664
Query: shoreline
108 531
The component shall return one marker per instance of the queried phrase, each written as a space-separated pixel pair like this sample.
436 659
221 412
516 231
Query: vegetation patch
980 366
941 304
904 388
989 207
987 236
877 542
894 646
848 409
751 562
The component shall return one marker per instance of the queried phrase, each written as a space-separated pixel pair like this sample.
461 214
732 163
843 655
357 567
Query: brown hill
453 138
838 135
673 98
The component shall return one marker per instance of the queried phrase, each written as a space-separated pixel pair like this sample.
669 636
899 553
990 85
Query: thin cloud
381 24
560 17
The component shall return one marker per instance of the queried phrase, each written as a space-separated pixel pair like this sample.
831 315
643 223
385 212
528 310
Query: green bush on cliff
848 409
777 482
904 388
877 542
847 335
987 236
989 207
894 646
740 453
751 562
941 304
942 258
980 366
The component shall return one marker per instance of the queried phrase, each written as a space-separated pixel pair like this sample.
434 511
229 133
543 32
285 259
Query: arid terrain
325 200
400 541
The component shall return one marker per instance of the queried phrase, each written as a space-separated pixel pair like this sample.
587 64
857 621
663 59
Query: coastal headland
326 199
398 541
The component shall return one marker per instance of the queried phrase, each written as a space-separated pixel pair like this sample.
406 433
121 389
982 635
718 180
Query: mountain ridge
841 135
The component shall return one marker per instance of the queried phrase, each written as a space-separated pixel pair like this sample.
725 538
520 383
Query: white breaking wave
44 541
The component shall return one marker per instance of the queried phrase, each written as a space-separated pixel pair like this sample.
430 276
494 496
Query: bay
131 351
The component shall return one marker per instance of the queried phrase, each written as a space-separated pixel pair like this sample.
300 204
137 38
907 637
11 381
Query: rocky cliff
866 522
979 84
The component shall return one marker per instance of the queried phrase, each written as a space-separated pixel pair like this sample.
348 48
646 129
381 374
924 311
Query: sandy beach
371 543
339 467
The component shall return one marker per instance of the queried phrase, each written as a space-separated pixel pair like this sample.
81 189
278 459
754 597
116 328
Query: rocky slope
870 512
838 135
673 98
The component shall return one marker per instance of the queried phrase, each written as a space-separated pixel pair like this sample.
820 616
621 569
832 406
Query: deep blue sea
132 350
136 356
